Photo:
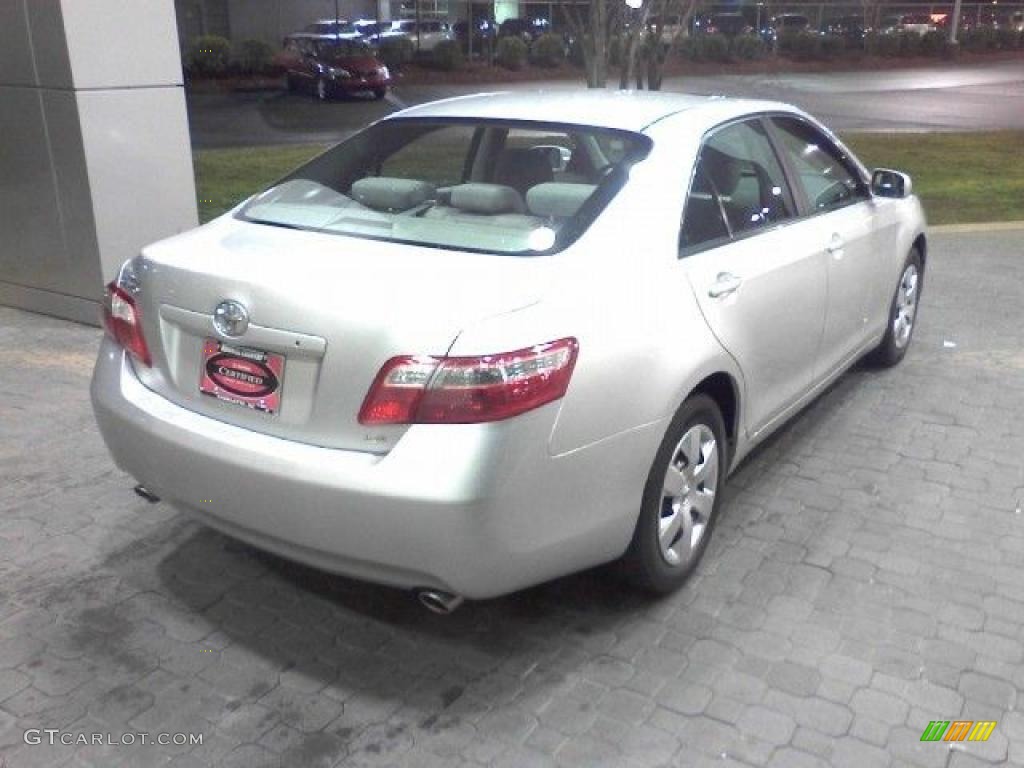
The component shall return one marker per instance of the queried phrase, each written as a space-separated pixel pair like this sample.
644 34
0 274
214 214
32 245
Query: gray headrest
522 168
558 199
385 193
724 170
487 198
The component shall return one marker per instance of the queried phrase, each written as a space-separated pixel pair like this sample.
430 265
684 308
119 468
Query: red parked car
333 65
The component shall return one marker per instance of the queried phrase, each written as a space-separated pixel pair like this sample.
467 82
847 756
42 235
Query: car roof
623 110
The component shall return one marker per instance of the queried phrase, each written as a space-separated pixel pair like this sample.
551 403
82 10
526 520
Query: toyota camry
492 340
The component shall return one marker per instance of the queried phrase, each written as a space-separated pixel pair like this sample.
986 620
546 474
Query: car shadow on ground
368 668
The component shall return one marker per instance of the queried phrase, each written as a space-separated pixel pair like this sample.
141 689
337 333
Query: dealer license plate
248 377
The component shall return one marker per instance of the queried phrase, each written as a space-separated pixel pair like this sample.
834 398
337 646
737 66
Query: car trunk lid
328 311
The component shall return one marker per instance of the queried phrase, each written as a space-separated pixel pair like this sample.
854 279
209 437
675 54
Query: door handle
724 284
835 246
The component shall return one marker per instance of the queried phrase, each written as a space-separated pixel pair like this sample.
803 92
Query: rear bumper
478 510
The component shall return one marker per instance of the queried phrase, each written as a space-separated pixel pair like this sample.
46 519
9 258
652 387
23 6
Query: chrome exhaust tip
145 493
436 601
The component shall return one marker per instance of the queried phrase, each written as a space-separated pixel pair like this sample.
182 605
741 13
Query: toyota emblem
230 318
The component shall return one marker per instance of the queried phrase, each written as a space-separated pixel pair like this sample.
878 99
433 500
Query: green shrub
512 53
1007 39
712 47
447 56
746 47
803 46
253 57
548 50
910 44
934 43
832 46
396 51
978 40
208 56
883 45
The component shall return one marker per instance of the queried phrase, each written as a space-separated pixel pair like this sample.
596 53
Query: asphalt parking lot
987 96
867 577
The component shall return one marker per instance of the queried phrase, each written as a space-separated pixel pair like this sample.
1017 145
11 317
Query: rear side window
703 220
828 178
741 164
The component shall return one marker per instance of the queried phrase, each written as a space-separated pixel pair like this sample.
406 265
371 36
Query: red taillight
469 390
123 323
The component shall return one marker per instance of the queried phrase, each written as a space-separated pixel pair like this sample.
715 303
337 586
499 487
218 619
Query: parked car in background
373 31
728 24
918 23
851 28
327 66
527 30
672 27
785 24
426 34
485 33
493 340
336 27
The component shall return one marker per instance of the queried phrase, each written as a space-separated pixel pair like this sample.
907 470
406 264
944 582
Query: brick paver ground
867 577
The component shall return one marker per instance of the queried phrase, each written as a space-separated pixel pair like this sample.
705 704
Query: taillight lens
469 390
123 323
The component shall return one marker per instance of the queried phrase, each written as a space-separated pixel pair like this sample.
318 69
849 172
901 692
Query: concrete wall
95 159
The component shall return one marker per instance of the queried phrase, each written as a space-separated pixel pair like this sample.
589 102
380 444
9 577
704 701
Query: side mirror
889 183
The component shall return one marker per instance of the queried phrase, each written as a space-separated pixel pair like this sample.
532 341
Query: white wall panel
95 160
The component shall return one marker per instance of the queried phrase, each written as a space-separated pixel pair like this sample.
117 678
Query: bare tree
593 23
634 33
660 39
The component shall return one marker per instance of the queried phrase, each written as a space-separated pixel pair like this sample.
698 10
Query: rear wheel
902 313
681 498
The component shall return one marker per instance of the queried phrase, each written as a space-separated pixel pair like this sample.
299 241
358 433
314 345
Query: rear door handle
836 246
724 284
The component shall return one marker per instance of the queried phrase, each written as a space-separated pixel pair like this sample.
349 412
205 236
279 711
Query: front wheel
680 500
380 93
320 92
902 313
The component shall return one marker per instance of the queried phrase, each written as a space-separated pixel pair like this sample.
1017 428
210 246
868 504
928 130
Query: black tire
290 83
644 563
893 348
380 93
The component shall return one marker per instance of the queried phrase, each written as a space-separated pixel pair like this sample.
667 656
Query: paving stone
766 725
852 593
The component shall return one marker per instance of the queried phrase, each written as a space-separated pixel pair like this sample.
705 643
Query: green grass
960 177
225 177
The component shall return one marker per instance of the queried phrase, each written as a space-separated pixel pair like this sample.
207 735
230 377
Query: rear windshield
471 185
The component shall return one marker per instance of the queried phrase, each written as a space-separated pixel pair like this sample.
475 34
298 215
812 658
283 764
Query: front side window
828 179
475 185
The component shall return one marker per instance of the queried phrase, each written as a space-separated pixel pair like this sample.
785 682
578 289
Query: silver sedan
493 340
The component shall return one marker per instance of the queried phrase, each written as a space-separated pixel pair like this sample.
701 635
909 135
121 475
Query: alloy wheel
906 307
688 494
